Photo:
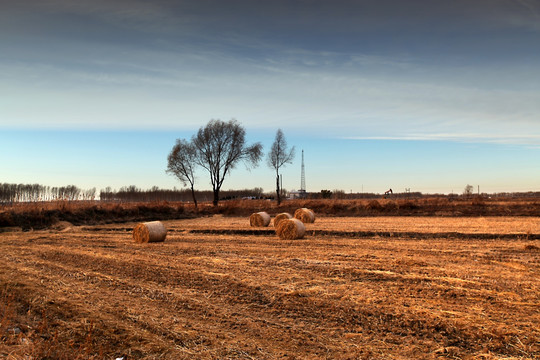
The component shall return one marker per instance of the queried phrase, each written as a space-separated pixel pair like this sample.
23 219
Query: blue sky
429 95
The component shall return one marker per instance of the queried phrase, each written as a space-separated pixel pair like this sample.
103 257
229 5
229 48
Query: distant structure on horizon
300 194
303 176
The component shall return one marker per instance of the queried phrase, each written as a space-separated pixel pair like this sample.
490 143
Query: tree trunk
194 198
216 197
277 191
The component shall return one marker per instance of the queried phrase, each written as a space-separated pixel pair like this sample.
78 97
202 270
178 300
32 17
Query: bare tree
219 147
181 163
467 192
278 156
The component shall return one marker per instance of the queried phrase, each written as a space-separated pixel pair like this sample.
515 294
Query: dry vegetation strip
421 224
98 294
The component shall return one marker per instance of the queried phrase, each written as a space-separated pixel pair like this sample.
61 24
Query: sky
426 95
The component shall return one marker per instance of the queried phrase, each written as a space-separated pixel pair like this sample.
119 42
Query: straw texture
290 229
305 215
153 231
280 217
260 219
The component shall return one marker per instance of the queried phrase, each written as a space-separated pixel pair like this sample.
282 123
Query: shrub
390 206
374 205
478 201
6 219
407 205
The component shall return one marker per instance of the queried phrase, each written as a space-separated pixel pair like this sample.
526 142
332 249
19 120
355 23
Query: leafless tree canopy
278 156
181 163
220 146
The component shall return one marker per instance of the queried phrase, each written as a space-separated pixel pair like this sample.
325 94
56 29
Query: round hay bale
153 231
290 229
280 217
259 219
305 215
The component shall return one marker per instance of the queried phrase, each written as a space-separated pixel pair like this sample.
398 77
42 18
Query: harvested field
41 215
421 224
92 293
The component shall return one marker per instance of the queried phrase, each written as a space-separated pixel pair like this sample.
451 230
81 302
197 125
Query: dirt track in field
97 294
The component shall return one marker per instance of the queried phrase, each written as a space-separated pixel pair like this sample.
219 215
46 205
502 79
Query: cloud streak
532 140
424 79
380 69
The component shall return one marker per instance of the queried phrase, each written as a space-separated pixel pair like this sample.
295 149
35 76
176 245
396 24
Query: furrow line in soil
219 318
300 305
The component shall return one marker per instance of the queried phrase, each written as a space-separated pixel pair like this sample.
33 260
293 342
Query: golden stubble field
92 293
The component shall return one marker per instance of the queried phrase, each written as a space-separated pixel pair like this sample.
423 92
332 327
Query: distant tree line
134 194
342 195
11 193
14 193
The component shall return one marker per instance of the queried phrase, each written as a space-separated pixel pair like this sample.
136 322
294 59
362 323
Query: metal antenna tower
303 176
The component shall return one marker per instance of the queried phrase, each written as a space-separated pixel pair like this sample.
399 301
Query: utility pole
303 175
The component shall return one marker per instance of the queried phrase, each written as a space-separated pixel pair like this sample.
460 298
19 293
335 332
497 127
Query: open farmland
519 226
217 289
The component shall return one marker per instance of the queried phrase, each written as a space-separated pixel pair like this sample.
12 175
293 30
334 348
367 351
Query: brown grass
520 226
44 215
95 294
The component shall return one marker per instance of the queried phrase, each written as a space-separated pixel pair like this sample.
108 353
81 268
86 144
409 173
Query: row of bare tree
11 193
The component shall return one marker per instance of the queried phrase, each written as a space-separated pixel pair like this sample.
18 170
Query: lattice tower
303 176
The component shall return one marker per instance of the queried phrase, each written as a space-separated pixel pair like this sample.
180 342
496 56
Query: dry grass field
421 224
90 292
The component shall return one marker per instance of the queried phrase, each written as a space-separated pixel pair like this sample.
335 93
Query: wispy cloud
529 16
529 140
116 11
194 61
